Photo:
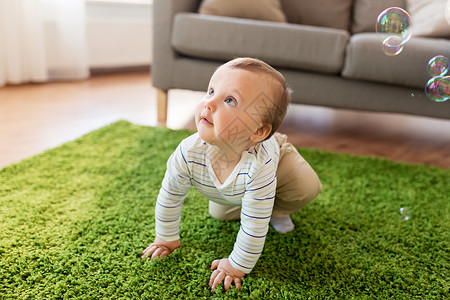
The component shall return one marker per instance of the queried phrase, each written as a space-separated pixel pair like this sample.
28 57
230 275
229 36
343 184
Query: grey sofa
332 67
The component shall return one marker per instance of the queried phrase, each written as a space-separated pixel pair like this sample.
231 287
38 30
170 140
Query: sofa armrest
163 53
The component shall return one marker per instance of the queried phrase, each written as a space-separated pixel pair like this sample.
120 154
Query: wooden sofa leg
162 99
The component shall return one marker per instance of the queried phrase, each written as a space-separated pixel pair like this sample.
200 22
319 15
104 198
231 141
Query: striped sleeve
257 205
174 187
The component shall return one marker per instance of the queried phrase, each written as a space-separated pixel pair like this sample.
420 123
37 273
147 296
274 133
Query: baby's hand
223 271
160 248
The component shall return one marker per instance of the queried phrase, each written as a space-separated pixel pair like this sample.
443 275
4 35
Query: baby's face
230 112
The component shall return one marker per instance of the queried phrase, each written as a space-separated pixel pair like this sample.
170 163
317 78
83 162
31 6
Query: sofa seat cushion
281 45
365 60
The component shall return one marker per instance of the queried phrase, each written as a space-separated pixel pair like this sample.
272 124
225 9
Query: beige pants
297 185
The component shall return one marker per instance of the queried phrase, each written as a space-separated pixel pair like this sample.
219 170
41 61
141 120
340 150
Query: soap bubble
438 66
404 213
431 90
443 87
392 46
394 25
436 84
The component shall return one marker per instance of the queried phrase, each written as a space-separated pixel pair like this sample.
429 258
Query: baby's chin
209 138
203 135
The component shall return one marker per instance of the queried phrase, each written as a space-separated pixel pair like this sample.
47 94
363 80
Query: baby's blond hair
281 96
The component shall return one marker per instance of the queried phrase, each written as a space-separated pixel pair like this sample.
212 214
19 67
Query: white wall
119 34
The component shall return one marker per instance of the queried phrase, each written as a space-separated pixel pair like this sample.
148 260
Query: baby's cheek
198 109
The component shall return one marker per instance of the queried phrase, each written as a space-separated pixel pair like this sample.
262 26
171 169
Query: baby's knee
310 184
296 194
297 180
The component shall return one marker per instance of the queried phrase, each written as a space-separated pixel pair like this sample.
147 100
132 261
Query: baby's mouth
206 121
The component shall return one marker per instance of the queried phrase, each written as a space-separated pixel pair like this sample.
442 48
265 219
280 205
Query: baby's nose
209 105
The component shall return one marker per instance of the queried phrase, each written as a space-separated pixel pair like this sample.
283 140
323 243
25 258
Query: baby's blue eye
230 101
211 92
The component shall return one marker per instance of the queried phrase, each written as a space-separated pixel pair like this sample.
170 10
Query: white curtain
42 40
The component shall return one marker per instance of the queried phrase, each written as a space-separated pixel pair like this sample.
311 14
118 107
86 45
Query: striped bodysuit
252 185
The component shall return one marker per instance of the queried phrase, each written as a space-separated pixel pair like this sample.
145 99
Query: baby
238 162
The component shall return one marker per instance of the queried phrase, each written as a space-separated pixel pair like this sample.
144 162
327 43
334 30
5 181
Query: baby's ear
261 133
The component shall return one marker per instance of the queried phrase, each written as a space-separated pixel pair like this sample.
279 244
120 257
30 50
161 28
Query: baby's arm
174 188
160 248
257 204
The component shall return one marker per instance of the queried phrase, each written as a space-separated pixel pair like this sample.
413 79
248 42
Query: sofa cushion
366 60
429 17
365 13
324 13
279 44
267 10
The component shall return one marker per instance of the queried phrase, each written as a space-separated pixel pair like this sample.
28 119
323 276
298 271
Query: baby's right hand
160 248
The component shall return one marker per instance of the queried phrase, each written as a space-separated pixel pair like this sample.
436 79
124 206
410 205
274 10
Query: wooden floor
37 117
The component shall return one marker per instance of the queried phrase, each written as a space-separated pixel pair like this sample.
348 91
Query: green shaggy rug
74 220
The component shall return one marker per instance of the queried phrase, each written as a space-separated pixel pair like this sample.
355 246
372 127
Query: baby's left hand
223 271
